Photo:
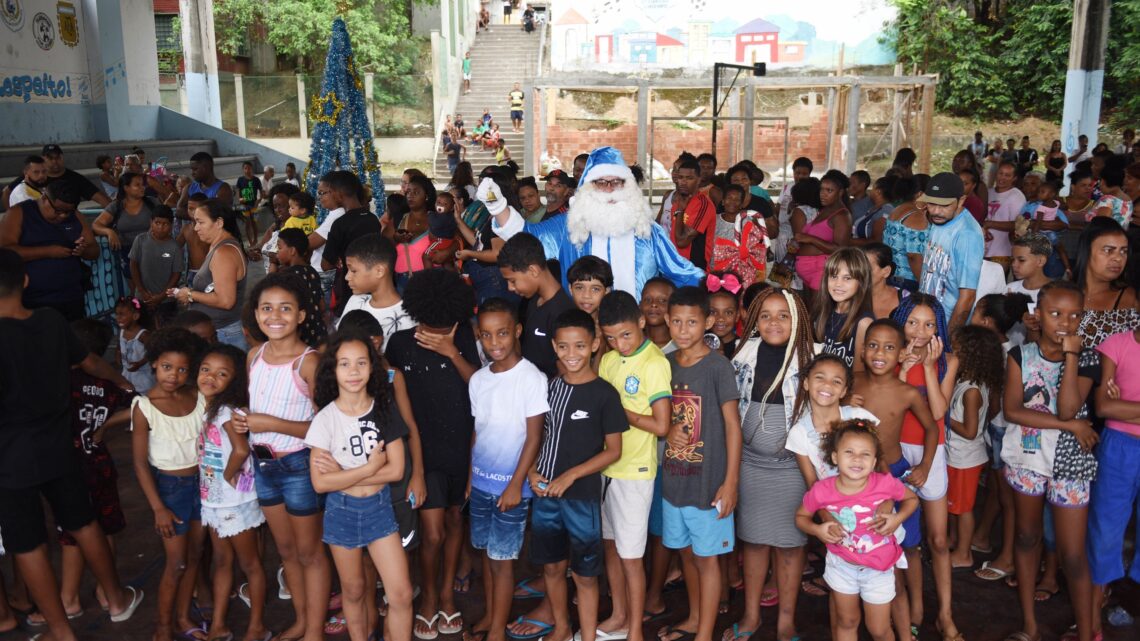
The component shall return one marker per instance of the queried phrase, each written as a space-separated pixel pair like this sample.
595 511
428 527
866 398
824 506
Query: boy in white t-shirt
508 401
371 263
1030 253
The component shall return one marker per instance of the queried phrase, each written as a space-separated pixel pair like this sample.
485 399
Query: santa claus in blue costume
609 218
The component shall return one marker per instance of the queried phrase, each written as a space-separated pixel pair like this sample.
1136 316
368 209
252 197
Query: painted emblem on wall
68 23
12 14
43 30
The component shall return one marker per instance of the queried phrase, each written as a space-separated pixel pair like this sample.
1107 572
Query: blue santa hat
605 161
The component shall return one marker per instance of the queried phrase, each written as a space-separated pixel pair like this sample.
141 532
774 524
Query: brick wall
669 142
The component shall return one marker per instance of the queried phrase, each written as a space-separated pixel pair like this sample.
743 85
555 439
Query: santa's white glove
491 196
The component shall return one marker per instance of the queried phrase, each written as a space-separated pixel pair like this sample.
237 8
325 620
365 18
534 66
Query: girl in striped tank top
281 377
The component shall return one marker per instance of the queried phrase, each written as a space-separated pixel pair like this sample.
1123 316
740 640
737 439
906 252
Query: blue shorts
656 518
996 434
913 523
697 528
286 480
516 114
232 335
1115 497
356 521
567 529
180 495
499 533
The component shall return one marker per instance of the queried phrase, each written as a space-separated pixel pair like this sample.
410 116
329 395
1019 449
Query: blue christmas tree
342 137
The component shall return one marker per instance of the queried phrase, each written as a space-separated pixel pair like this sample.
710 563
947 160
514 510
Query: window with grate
165 35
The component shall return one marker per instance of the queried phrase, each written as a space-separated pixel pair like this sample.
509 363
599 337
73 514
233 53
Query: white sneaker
282 589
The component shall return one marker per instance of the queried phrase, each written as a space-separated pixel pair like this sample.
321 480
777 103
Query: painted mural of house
699 51
603 48
642 47
670 51
793 51
572 30
722 40
758 41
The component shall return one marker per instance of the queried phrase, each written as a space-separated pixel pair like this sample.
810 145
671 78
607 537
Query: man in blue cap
610 219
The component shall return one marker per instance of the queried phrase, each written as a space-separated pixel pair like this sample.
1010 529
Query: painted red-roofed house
758 41
670 51
574 31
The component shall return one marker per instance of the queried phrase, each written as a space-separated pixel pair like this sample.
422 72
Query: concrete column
369 79
239 98
201 60
439 92
854 95
1084 81
128 88
643 123
530 157
749 129
302 110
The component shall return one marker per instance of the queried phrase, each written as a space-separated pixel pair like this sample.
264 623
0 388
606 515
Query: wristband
1071 353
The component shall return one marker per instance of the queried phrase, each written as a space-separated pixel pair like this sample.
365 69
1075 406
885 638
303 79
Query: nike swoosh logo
538 332
406 540
579 415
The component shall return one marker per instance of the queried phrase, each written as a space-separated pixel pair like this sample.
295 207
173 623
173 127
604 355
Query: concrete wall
63 61
389 149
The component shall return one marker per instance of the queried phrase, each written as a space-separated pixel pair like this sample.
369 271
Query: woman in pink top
829 230
1114 497
411 232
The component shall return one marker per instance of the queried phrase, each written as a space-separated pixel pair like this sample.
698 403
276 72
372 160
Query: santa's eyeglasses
614 183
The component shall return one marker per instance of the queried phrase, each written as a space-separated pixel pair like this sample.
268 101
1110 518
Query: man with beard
35 175
609 219
559 189
57 171
952 263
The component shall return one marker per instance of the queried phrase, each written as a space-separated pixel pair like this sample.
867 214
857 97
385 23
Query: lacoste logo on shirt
579 415
538 332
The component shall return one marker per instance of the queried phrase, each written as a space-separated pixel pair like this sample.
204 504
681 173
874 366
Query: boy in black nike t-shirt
582 436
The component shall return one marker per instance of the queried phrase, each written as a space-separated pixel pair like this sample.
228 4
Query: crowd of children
713 434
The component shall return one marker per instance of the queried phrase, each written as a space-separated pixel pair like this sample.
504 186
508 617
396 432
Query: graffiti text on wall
42 86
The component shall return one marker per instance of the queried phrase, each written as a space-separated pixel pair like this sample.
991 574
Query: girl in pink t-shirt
1113 495
861 547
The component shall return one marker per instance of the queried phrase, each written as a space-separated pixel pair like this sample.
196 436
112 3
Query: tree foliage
381 34
1008 58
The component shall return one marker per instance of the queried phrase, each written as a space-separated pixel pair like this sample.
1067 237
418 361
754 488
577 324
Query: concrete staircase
500 57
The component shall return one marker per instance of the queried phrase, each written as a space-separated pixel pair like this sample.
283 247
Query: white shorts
231 521
625 515
876 587
937 481
466 76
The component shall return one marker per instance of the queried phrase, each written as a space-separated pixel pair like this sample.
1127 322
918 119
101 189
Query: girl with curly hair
357 452
981 374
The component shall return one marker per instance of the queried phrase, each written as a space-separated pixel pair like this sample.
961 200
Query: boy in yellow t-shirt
641 374
301 214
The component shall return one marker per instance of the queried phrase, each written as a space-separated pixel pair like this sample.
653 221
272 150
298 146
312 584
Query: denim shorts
232 335
356 521
499 533
567 529
286 480
180 495
996 434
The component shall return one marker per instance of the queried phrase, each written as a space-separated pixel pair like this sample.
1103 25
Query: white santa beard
592 213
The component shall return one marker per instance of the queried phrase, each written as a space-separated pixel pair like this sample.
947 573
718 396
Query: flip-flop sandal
990 573
433 629
229 636
336 624
462 584
736 633
544 629
722 607
675 584
136 599
1041 595
814 588
981 550
1021 636
335 602
188 634
682 635
1011 582
475 635
769 597
447 624
913 632
41 622
602 635
527 591
243 594
647 616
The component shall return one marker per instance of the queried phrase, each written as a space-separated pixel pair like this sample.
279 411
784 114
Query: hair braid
800 344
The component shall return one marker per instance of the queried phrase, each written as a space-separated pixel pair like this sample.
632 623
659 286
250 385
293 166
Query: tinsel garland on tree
342 136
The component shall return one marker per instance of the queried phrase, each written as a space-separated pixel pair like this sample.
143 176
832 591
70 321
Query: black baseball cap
943 189
561 176
51 150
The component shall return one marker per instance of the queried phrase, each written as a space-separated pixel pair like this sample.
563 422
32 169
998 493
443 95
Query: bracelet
190 295
1071 353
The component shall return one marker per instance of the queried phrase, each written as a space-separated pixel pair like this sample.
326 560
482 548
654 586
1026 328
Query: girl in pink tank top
282 375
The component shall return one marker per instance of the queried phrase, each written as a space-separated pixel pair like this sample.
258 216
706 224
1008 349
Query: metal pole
715 102
239 98
302 112
642 117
